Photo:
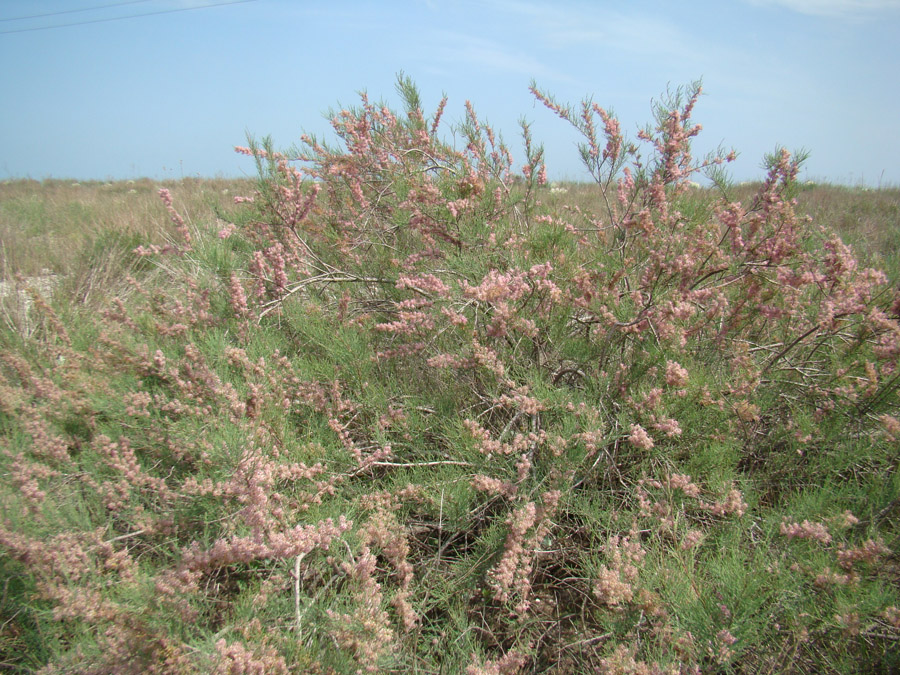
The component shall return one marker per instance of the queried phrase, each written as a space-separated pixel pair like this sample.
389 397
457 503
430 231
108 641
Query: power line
72 11
121 18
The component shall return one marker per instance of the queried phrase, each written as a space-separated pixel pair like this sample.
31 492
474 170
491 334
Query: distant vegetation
401 406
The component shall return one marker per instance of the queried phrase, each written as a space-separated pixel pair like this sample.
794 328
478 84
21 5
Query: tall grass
400 407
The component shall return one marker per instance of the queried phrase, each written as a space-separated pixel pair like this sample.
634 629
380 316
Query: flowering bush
414 408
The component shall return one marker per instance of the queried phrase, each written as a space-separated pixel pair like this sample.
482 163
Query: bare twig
328 278
415 464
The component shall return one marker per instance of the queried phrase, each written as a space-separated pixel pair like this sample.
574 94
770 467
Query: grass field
399 408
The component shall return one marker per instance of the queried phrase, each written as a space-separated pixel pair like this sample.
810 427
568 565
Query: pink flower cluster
615 580
511 576
805 530
180 225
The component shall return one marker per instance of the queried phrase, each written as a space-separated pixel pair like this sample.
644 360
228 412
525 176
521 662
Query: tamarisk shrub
656 299
412 411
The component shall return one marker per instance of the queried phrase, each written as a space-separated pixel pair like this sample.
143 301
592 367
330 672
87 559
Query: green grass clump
399 409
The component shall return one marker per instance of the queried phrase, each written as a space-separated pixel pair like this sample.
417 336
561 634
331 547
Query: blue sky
170 93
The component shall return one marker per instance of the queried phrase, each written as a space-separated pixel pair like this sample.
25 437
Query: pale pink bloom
869 552
683 482
845 520
668 426
805 530
234 658
511 573
829 577
640 438
492 485
891 426
446 361
610 589
227 231
676 375
692 539
238 297
180 225
733 503
426 283
510 664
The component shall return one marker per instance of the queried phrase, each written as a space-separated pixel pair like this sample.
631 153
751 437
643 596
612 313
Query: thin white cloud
834 8
631 31
461 48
